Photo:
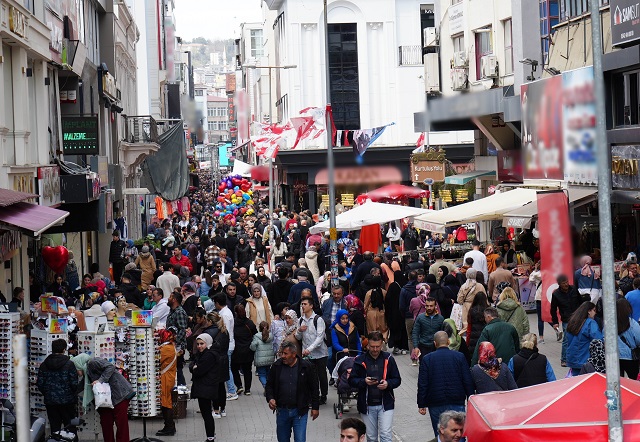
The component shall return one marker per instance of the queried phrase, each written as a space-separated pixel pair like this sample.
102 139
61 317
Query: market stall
572 409
395 192
367 214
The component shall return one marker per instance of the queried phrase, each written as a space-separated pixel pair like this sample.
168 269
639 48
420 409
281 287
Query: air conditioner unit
430 37
489 66
460 59
431 73
459 79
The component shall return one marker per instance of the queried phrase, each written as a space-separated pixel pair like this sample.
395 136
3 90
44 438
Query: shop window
626 99
344 75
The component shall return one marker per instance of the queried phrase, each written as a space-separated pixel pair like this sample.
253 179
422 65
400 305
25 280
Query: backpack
327 329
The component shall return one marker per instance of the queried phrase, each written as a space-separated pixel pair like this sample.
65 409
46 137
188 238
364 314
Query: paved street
249 418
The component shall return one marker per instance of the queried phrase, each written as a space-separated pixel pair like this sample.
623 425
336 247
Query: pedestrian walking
262 346
424 329
242 358
502 335
205 369
529 367
450 427
581 330
311 331
168 374
490 374
180 321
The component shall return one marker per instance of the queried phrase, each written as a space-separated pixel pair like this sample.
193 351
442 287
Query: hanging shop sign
17 22
429 165
80 136
625 167
625 21
49 185
109 86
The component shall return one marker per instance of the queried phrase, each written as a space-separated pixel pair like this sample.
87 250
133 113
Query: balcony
141 139
410 55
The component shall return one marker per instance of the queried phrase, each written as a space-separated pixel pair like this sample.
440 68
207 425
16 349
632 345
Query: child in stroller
346 393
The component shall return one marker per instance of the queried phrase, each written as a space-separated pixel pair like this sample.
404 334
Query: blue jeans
288 419
330 363
435 412
231 386
379 423
563 355
263 373
540 321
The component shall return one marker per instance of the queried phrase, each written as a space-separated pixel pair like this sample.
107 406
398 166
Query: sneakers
332 382
247 393
559 335
216 415
323 400
563 364
541 340
240 390
232 397
223 413
396 351
414 363
404 352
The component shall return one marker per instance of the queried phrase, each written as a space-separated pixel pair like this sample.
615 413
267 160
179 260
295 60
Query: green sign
80 136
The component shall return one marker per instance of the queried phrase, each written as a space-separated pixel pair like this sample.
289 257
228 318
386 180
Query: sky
214 19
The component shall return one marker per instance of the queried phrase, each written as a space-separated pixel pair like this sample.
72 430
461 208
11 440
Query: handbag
456 315
635 352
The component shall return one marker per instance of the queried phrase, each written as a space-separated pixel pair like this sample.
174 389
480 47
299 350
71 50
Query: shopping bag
102 395
456 315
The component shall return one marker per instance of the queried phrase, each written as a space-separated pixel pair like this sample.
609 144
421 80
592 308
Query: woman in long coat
168 374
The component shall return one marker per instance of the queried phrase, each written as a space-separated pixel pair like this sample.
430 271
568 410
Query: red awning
31 217
397 191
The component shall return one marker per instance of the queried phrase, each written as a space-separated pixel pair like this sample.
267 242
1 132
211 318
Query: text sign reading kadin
80 136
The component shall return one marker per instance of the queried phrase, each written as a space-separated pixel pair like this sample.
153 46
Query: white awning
367 214
522 217
489 208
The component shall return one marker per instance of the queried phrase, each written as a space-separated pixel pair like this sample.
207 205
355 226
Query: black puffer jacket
477 324
205 375
115 251
58 380
243 332
220 345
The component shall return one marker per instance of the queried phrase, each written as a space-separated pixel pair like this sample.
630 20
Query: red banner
556 252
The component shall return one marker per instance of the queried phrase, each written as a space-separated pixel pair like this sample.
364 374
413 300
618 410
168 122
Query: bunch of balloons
234 198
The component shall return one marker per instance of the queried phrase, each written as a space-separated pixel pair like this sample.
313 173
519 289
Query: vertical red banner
556 252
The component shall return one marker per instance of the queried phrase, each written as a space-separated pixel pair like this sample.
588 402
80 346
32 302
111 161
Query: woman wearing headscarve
417 304
356 312
528 366
374 308
491 256
258 307
147 264
467 292
456 343
291 318
445 304
168 374
80 362
130 252
345 339
205 370
395 319
595 363
587 280
490 374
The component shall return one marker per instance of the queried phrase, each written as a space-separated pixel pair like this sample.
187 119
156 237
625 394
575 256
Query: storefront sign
360 175
109 86
461 168
141 318
579 127
49 185
510 166
17 22
625 21
80 136
230 83
456 18
555 244
625 167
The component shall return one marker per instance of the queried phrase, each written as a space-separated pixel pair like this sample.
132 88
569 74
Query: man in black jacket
364 268
279 291
130 291
291 386
566 299
58 381
115 256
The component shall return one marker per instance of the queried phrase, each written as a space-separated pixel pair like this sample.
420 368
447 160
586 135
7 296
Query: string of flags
310 124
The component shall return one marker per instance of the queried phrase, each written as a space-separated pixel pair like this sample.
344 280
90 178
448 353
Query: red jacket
184 262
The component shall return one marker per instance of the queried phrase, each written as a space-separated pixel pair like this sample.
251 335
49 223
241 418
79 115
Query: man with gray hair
450 427
444 381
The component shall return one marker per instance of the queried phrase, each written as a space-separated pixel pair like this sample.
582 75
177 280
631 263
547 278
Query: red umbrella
573 408
396 192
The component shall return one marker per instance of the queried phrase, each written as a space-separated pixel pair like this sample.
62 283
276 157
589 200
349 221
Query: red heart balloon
56 258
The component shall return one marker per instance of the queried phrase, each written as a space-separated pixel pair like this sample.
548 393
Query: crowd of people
250 291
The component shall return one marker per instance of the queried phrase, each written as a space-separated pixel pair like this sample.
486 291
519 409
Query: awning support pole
614 405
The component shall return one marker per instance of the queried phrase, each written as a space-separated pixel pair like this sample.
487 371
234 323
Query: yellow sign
347 199
17 22
333 234
462 195
325 199
445 195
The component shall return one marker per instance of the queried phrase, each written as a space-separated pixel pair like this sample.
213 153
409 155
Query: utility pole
614 405
332 188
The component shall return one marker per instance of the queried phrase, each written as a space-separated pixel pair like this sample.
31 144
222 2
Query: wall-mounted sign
80 136
625 21
625 167
456 18
49 185
109 85
55 39
17 22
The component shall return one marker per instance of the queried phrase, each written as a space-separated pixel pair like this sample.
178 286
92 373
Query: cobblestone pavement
249 418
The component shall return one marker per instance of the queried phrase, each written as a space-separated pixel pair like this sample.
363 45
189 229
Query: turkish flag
556 254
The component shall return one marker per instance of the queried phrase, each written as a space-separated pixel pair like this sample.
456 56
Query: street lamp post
271 174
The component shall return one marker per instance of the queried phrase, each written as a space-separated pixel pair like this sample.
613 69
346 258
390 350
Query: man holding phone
375 374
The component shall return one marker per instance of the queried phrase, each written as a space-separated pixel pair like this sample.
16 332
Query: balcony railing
410 55
141 129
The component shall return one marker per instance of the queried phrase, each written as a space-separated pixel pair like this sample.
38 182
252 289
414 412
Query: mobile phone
373 379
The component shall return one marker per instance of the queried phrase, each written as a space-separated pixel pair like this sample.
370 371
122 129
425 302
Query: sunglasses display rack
144 372
9 327
40 348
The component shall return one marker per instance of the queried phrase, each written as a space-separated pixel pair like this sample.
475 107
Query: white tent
367 214
489 208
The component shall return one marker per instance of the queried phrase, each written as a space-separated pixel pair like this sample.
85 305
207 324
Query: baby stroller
346 393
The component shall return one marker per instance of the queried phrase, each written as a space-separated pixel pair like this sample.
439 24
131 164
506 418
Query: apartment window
574 8
508 48
458 43
484 46
210 112
211 125
549 17
199 92
626 98
343 75
427 19
256 43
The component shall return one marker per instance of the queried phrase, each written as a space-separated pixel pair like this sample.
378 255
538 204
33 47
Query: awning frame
59 219
464 178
